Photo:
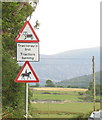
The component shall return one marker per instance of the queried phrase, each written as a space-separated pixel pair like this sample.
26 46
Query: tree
37 85
12 22
90 93
13 94
49 83
90 89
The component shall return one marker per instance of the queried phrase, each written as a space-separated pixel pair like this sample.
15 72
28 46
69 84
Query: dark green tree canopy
49 83
14 14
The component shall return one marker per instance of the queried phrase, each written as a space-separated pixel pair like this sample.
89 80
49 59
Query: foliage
80 93
97 89
37 85
13 94
69 86
88 95
49 83
11 23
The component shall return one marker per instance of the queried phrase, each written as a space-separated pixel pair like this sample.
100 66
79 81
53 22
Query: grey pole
94 88
26 101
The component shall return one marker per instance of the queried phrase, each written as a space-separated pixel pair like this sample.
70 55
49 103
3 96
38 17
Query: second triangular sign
27 74
27 34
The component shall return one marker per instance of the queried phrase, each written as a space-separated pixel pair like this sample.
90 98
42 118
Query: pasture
59 103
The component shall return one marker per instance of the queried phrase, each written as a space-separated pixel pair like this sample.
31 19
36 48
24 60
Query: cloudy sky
67 25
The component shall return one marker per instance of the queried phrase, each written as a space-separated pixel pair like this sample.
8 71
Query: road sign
28 52
26 74
27 34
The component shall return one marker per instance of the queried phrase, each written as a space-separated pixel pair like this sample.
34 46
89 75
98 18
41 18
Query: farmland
65 110
60 89
59 103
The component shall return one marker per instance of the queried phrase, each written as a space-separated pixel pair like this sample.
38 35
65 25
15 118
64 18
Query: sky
67 25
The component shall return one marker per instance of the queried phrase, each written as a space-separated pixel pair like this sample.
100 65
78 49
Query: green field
71 107
56 95
66 110
70 96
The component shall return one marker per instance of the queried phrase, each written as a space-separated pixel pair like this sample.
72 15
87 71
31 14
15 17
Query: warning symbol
27 34
26 74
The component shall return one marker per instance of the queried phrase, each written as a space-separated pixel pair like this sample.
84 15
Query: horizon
72 50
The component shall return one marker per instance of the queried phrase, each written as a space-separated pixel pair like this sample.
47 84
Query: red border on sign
24 81
37 39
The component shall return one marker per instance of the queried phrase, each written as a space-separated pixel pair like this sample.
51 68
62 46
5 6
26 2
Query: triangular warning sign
27 74
27 34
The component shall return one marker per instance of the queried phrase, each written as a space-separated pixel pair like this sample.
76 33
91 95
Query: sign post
27 50
26 101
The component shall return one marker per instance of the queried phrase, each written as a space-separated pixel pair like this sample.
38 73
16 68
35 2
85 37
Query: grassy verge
66 110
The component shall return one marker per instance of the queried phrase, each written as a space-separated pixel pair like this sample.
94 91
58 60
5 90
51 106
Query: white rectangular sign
27 52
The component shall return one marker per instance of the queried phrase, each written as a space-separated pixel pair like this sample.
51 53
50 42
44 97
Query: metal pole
94 88
26 101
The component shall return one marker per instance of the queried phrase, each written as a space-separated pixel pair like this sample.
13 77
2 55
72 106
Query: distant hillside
81 81
67 65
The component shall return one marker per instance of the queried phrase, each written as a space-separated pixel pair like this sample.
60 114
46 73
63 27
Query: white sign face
27 34
28 52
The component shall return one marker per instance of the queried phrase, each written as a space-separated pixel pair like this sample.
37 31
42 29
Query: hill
67 65
81 81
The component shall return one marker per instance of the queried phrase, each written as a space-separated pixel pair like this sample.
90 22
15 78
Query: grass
62 110
56 95
55 116
73 108
66 107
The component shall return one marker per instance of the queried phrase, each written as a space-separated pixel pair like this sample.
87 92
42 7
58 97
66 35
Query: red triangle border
37 39
27 81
